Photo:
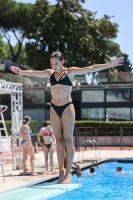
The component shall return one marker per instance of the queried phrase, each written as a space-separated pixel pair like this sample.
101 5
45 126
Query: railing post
36 147
95 131
121 138
85 138
75 131
78 144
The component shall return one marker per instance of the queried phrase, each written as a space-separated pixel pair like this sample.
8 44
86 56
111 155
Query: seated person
77 169
74 166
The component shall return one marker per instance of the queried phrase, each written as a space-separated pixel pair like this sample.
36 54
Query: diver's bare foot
49 173
8 175
67 179
45 173
61 178
35 174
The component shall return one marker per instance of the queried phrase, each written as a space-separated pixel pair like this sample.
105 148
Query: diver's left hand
117 62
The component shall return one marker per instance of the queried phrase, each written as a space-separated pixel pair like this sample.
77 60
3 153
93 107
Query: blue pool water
105 184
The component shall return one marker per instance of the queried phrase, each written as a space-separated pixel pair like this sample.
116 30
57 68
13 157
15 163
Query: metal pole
121 138
36 147
2 171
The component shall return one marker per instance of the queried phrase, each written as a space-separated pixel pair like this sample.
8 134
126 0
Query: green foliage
33 126
8 126
14 17
101 123
103 128
5 53
66 26
70 28
1 46
113 49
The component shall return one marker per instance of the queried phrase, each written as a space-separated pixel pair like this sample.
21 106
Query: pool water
105 184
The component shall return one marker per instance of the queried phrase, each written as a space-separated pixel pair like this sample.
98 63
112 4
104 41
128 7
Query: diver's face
56 64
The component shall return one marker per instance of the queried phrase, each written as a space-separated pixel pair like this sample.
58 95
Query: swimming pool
106 184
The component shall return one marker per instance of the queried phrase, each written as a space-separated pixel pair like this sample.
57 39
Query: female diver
62 113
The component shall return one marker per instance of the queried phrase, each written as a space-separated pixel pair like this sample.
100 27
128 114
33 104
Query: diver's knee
32 158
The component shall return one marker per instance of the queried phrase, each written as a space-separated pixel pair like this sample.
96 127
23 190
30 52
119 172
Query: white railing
93 142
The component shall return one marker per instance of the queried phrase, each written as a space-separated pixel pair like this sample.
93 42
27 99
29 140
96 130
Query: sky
122 10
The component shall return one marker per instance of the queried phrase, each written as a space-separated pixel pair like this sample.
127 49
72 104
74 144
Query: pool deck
14 180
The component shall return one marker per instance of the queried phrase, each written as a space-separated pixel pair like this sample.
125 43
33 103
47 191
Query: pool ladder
95 147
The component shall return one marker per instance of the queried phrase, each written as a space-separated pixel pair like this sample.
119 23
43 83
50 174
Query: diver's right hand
14 69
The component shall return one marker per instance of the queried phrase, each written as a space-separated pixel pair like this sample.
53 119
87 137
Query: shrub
33 126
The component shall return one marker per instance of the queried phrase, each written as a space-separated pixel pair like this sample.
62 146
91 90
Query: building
100 99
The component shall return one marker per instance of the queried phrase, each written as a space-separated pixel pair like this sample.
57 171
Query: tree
70 28
127 66
1 46
6 57
113 50
14 17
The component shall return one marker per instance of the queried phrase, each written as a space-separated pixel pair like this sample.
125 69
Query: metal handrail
83 151
94 141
